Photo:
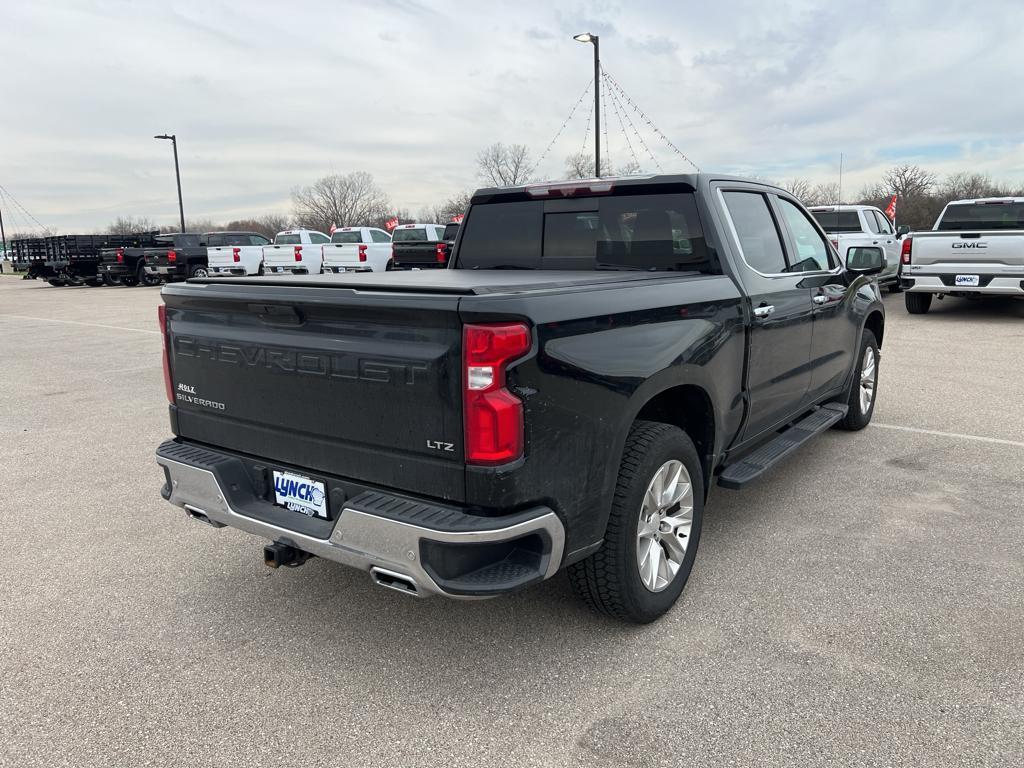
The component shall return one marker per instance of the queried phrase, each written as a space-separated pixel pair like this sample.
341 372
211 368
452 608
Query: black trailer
30 256
77 259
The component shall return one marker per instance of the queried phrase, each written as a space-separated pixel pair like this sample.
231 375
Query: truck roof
413 226
843 208
985 200
692 180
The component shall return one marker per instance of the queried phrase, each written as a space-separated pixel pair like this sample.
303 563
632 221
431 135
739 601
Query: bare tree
967 186
446 211
347 200
503 165
826 193
268 225
908 181
127 225
801 189
580 165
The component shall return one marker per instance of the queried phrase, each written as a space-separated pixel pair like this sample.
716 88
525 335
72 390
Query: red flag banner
334 228
890 210
391 223
457 218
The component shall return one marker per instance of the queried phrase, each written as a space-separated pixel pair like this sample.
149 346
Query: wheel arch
689 407
875 322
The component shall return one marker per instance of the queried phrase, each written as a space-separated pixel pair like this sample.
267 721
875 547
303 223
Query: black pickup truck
421 246
598 355
177 256
126 265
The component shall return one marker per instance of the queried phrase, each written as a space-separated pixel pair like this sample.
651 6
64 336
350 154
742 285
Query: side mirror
865 260
901 230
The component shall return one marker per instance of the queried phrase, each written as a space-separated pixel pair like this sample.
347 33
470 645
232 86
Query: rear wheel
653 530
198 270
389 266
917 303
260 271
111 279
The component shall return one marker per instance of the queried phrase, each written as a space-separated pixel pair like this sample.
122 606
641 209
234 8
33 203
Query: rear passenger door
778 370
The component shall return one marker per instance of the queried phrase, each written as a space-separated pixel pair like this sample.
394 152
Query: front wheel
653 530
864 387
917 303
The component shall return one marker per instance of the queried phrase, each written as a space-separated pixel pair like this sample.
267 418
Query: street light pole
586 37
177 174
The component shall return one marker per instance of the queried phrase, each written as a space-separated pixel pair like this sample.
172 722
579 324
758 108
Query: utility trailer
30 256
76 259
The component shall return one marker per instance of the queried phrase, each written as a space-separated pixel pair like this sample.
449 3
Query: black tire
917 303
260 272
857 417
55 282
390 266
198 270
111 279
609 580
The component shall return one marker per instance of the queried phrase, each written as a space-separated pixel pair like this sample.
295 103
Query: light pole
177 174
586 37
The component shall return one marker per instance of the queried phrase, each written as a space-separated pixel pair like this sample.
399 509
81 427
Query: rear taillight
906 249
441 252
362 253
120 255
172 256
161 313
493 416
236 254
298 253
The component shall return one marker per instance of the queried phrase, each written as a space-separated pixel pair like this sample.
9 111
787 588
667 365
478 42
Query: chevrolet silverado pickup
176 256
296 252
126 265
358 249
852 226
235 253
419 246
563 396
976 248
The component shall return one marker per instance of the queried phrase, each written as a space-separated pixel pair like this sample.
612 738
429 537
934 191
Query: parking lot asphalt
862 605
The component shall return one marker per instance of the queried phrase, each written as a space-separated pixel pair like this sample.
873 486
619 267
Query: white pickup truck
849 226
975 248
296 251
235 253
358 249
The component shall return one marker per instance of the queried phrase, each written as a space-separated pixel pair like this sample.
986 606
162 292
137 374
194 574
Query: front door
778 371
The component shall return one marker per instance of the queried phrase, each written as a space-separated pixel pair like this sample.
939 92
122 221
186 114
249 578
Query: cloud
264 100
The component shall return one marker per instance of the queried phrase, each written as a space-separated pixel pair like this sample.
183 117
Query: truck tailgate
997 248
327 379
220 256
344 254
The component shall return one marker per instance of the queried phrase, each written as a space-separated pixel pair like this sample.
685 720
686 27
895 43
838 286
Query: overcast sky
265 96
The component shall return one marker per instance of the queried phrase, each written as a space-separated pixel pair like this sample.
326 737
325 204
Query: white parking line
955 435
76 322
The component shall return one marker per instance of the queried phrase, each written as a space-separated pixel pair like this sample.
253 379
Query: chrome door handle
763 311
820 299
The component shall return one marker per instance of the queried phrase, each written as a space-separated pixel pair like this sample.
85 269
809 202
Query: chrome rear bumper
374 543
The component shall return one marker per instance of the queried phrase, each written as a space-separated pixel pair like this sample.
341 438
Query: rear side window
631 232
258 240
872 221
450 231
835 222
759 239
347 237
379 237
416 235
982 216
317 239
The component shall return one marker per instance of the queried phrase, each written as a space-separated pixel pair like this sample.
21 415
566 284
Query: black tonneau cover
462 282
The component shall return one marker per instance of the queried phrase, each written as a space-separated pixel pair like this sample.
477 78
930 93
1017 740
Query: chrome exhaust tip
396 581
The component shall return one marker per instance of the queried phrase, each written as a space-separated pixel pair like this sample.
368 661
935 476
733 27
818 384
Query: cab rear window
630 232
347 237
288 240
835 222
416 235
982 216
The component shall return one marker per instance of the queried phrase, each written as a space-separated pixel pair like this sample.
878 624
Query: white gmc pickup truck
975 248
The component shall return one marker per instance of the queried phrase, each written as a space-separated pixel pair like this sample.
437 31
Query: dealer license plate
300 494
967 280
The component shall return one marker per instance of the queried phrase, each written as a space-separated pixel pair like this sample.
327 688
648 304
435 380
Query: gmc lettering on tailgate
329 365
